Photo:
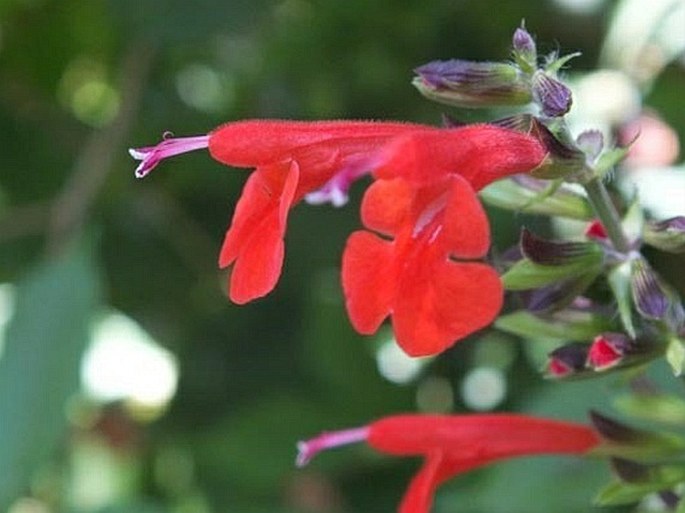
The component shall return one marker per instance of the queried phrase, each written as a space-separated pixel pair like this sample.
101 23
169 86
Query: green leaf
619 492
510 195
633 222
666 409
525 274
608 160
562 326
39 368
675 355
619 281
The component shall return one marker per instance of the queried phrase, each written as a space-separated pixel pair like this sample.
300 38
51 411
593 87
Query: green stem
607 214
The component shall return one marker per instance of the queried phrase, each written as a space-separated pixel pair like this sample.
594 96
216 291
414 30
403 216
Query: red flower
425 202
292 159
452 445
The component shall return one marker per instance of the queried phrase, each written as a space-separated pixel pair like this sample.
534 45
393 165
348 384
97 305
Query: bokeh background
128 382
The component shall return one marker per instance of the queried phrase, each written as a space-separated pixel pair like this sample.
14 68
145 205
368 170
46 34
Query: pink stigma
150 156
308 449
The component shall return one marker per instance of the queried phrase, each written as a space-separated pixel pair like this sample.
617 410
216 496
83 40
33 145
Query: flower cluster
420 259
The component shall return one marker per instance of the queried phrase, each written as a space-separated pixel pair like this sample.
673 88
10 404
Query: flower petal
440 302
368 280
437 469
386 205
480 153
255 239
252 143
466 231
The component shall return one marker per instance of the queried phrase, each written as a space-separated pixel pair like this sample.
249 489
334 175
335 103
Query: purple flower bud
649 293
553 97
525 52
472 84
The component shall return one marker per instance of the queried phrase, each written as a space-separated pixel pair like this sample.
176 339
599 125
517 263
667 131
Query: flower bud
553 97
650 295
567 361
472 84
610 350
640 445
525 52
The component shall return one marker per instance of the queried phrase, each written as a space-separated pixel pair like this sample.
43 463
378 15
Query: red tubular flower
426 203
292 159
452 445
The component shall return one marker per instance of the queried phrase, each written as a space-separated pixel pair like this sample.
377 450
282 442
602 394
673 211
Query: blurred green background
128 382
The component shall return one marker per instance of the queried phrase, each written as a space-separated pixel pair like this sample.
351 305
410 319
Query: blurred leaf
512 196
39 368
675 355
526 274
619 281
667 409
660 478
561 326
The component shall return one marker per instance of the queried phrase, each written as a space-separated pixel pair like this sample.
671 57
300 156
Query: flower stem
607 214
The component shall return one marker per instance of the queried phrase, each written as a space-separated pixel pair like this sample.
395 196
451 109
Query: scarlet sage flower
452 445
425 202
292 159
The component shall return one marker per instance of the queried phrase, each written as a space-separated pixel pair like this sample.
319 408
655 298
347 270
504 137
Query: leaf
525 274
666 409
619 492
39 368
508 194
619 281
675 355
608 160
576 327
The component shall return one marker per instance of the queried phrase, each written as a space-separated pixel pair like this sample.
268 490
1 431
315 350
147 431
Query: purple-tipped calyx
649 293
307 449
472 84
552 96
150 156
525 52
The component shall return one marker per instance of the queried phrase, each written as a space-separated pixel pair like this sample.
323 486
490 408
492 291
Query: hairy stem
607 214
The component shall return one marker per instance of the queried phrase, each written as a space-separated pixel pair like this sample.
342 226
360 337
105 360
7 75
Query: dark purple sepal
552 96
629 471
651 297
614 431
518 122
556 296
546 252
566 361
